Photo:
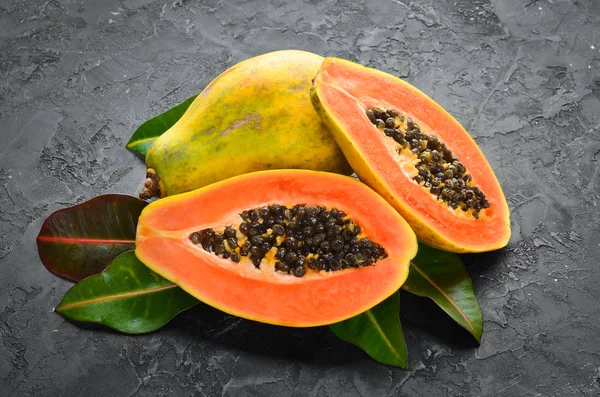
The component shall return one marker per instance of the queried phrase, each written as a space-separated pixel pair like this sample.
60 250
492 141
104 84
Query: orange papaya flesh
342 93
263 294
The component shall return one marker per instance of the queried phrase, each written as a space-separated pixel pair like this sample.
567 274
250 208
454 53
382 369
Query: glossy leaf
127 297
378 332
82 240
146 134
442 277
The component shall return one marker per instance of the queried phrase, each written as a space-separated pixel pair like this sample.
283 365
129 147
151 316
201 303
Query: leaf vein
116 296
139 141
76 240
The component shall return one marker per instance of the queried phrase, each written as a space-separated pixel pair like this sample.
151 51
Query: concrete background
523 76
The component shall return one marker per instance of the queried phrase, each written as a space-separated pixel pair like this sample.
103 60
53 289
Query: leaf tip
59 310
133 147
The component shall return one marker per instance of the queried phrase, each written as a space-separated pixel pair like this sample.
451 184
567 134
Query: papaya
415 155
256 115
297 248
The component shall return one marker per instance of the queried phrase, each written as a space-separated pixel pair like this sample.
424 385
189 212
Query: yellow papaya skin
257 115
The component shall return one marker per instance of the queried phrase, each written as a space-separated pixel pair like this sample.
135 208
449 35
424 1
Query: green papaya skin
257 115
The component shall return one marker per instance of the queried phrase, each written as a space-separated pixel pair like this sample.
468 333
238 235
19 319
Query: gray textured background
522 76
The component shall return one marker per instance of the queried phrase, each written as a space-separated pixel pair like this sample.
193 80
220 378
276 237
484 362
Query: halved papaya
287 247
416 155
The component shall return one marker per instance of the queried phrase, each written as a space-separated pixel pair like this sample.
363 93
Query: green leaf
127 297
146 134
442 277
378 332
82 240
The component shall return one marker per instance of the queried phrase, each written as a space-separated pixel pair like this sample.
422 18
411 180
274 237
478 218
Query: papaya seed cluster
300 238
438 169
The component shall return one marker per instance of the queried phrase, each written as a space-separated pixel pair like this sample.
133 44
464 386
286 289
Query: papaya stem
151 185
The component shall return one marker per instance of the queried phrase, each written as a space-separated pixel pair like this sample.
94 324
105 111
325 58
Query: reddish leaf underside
80 241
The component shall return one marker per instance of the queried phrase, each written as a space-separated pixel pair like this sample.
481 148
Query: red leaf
82 240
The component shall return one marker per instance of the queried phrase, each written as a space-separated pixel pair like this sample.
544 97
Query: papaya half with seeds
256 115
288 247
417 156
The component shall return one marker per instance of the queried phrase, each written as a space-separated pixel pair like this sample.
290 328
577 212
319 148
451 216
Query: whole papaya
257 115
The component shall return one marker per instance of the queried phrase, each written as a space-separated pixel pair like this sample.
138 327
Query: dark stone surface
77 77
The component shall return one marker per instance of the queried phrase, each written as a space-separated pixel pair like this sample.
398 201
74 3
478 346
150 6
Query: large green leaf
442 277
146 134
127 297
378 332
82 240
